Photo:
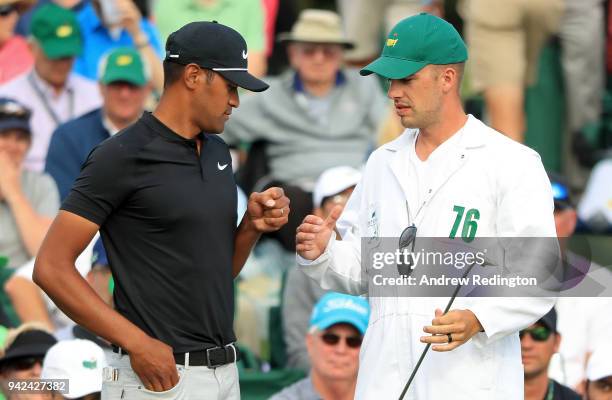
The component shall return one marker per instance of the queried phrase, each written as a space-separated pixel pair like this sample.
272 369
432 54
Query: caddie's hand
153 362
268 211
461 325
314 233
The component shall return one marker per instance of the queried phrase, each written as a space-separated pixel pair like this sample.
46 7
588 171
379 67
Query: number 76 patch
467 221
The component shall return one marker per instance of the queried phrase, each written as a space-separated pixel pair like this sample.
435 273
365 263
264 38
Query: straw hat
317 26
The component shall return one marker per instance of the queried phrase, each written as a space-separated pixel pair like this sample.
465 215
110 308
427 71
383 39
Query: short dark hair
458 67
173 72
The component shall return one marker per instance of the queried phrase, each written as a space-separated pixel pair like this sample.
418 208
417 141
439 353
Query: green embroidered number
470 226
459 210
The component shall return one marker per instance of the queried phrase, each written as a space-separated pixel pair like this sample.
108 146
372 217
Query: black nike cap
214 46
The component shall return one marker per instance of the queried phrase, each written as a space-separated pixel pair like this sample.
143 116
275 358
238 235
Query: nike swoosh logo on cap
245 54
221 167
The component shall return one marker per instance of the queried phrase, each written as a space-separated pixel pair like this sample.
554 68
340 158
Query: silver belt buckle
208 361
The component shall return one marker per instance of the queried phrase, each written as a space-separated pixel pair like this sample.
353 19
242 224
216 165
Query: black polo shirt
167 217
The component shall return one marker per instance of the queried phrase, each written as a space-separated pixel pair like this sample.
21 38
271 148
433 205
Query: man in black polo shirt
163 196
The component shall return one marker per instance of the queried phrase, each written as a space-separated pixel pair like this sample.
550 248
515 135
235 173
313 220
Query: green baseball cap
57 31
416 42
123 64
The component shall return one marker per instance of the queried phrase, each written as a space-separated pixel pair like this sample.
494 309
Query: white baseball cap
599 365
334 181
80 361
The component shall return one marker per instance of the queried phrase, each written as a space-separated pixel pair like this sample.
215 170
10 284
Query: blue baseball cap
561 191
336 308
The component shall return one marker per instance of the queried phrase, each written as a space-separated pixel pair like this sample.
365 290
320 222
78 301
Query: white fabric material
86 97
334 181
585 324
507 183
596 204
599 364
195 382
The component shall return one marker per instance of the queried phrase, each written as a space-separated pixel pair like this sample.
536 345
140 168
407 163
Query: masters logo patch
124 60
392 41
63 31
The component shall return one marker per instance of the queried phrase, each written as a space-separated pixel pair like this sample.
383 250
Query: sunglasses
25 363
332 339
538 334
406 240
7 10
328 51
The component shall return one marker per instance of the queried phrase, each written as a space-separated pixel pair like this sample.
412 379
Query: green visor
62 47
393 68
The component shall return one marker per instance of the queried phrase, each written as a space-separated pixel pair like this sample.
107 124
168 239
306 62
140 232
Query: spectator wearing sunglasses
586 322
15 55
24 351
538 344
337 325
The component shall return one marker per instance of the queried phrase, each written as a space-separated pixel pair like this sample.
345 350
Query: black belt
212 357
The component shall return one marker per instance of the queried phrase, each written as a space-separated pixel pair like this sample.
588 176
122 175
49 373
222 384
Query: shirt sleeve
339 267
104 183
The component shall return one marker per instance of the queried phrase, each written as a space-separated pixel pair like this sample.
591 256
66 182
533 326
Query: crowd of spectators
76 72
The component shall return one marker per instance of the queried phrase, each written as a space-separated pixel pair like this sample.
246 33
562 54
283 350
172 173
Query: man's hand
130 19
153 362
314 233
268 211
460 324
10 177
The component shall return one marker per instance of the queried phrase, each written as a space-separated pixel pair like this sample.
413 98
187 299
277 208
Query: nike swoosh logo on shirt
221 167
244 54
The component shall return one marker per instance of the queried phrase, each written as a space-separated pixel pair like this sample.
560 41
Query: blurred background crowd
75 72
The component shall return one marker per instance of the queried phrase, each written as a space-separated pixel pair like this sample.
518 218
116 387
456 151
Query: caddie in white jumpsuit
451 176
